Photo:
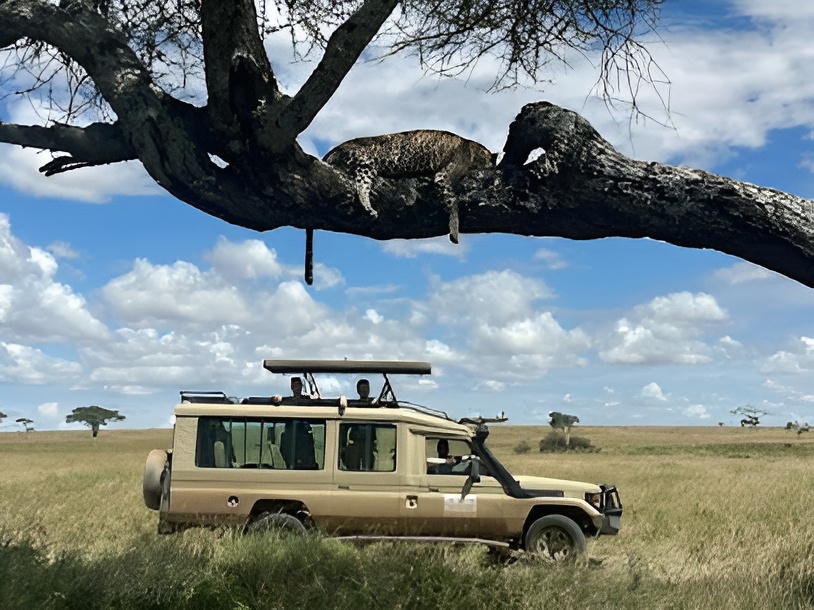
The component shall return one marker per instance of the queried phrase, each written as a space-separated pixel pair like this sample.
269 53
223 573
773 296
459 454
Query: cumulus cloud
250 259
28 365
653 391
798 359
496 298
665 330
696 412
159 294
501 327
33 305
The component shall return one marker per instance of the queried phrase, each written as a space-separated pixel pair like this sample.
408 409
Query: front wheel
555 538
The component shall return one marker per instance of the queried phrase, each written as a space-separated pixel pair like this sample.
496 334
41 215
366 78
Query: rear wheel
555 538
282 523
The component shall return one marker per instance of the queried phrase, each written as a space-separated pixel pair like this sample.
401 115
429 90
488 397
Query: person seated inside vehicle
449 461
296 392
354 450
363 389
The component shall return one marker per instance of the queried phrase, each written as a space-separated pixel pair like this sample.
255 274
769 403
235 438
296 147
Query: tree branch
96 144
239 77
344 47
584 189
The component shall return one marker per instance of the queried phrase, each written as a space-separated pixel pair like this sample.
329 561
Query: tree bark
581 188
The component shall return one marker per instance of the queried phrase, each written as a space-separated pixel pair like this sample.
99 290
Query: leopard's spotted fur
444 156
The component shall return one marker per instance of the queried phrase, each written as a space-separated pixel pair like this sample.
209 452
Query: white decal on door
454 504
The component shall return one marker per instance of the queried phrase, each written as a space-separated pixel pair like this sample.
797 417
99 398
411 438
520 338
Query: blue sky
113 293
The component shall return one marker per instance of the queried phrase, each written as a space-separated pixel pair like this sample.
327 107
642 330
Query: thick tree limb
344 47
586 189
239 77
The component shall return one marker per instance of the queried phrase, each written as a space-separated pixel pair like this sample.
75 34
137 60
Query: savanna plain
714 518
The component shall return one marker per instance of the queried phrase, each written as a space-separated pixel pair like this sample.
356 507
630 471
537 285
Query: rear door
367 493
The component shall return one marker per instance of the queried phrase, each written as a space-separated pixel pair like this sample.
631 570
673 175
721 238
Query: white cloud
62 249
696 411
27 365
19 169
494 317
742 272
664 331
411 248
158 294
250 259
49 409
799 359
33 306
495 298
327 277
552 259
653 390
491 385
373 316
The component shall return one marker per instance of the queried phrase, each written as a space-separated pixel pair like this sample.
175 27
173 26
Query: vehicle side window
280 444
367 447
444 455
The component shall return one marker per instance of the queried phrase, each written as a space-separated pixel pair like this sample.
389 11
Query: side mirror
474 475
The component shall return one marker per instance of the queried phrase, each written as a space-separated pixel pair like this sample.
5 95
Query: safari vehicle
361 467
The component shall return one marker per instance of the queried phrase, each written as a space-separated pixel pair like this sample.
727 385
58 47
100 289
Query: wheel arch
576 514
297 508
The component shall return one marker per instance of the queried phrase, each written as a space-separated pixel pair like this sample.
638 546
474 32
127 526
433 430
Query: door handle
433 489
344 487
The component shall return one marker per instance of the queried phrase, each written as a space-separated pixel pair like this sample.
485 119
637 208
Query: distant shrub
555 442
522 447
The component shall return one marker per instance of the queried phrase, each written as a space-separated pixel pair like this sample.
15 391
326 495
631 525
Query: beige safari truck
361 467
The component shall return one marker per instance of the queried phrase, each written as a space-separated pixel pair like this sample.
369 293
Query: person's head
442 447
296 386
363 388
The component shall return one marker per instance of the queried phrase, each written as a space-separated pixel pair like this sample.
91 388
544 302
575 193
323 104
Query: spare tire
153 469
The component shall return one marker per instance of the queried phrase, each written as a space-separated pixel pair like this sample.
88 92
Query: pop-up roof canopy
367 367
393 367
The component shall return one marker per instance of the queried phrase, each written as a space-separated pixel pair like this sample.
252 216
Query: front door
433 505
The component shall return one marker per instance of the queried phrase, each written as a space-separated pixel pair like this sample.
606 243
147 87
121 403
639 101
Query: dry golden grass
714 518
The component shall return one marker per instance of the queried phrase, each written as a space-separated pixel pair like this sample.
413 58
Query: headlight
594 499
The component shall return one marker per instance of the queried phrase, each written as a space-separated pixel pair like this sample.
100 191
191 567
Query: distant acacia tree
564 422
93 417
751 415
2 416
28 424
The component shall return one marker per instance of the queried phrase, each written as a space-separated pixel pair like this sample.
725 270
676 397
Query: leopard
441 155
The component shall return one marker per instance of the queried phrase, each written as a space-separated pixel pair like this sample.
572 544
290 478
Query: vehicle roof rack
212 397
394 367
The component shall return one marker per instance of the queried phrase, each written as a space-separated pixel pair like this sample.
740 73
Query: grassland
714 518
